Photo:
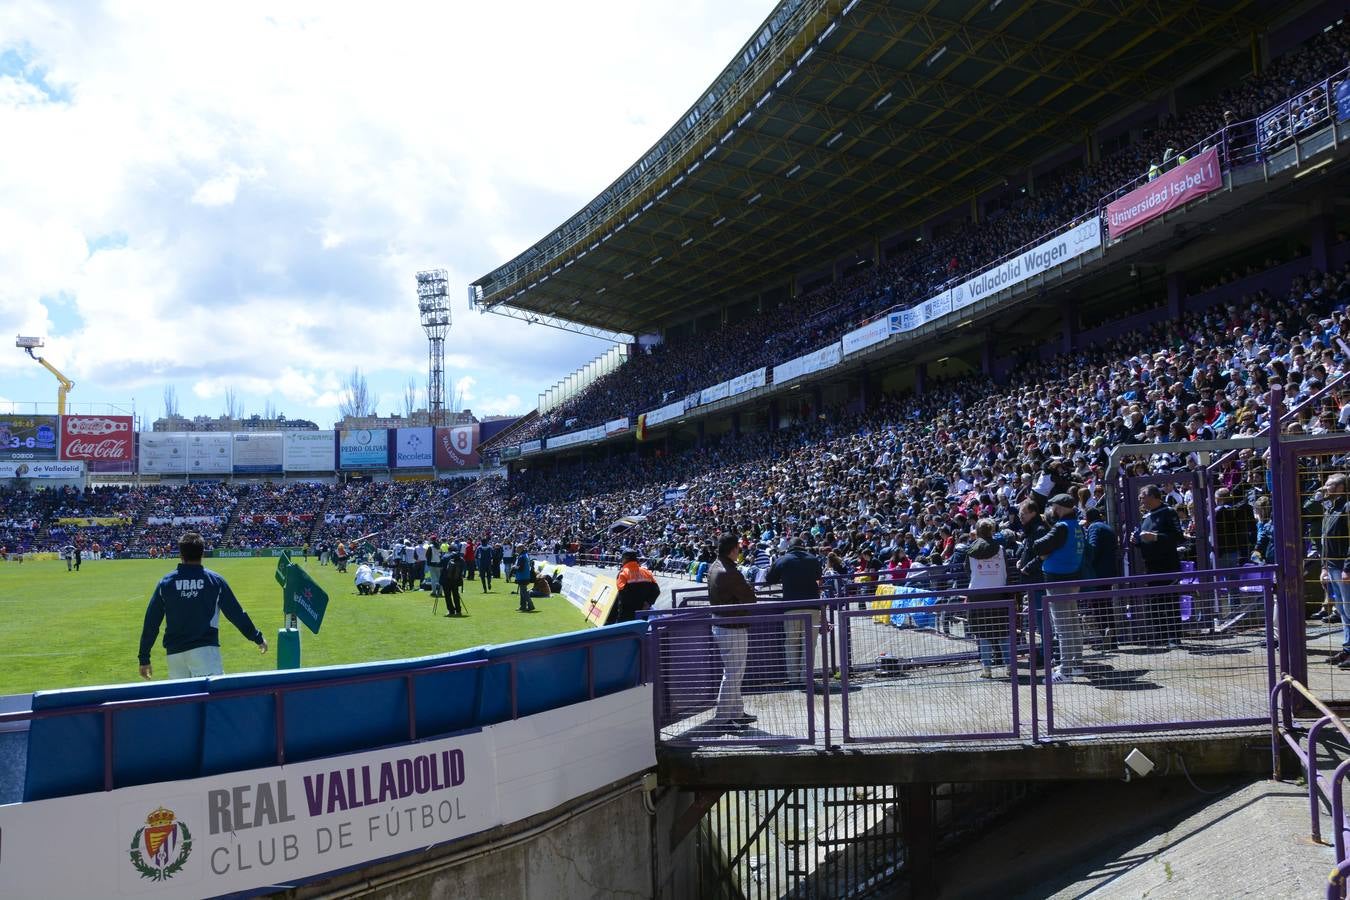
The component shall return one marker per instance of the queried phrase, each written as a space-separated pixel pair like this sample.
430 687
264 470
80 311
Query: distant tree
269 413
170 402
355 400
410 396
234 406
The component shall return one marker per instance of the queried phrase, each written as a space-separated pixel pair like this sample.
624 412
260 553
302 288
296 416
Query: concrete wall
597 846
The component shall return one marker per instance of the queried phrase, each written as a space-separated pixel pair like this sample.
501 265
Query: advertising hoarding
364 448
413 448
28 437
209 453
457 447
102 443
258 454
162 453
308 451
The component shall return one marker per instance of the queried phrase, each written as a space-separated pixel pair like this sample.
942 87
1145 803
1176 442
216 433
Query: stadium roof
845 119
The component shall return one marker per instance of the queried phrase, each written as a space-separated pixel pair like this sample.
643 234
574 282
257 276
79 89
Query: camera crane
28 344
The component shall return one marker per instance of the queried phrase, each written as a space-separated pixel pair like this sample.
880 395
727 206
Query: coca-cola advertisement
103 443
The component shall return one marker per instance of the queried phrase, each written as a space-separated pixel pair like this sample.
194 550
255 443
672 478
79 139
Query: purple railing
1284 735
109 710
927 681
1314 106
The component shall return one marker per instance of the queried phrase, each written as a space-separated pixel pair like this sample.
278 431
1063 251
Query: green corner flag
283 563
304 598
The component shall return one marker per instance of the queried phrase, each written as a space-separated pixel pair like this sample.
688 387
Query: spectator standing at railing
728 587
988 569
1335 548
1061 551
799 572
1159 538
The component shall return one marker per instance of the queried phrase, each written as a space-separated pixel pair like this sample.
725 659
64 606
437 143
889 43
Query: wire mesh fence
1320 589
743 679
949 673
1184 650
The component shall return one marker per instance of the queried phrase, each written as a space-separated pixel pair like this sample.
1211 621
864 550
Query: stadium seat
160 743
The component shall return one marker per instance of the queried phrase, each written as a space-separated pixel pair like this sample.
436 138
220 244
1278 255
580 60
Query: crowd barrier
101 738
1192 650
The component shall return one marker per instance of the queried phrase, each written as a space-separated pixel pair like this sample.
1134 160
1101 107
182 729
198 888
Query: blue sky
237 196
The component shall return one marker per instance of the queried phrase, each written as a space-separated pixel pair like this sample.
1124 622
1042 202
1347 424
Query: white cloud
241 195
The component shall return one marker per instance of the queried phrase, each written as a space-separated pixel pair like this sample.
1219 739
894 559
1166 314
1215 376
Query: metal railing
1284 735
108 711
919 662
1314 106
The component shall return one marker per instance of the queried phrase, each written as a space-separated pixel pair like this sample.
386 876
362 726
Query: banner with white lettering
1165 193
815 361
246 830
719 391
576 437
872 333
748 382
665 413
531 447
616 426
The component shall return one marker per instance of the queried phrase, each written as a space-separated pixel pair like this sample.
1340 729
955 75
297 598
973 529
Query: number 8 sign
457 447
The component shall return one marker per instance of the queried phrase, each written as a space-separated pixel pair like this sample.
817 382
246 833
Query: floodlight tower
433 302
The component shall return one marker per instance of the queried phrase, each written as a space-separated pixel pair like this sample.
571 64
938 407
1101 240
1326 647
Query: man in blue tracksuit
1061 551
192 599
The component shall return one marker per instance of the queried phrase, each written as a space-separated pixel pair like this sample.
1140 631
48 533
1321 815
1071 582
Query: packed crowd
905 483
916 272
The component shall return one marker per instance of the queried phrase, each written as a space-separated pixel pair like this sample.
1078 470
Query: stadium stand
920 270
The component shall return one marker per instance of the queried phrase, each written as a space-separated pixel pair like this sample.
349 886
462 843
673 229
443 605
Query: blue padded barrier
555 678
162 743
323 721
224 734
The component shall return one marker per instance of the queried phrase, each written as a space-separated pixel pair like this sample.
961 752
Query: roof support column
987 355
1321 239
702 430
736 424
1069 326
773 416
1176 292
920 379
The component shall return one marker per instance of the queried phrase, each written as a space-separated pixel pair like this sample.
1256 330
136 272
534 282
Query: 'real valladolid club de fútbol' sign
247 830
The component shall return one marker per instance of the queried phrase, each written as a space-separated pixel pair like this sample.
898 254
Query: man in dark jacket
728 587
799 572
1234 540
1158 538
452 578
486 564
522 573
1103 561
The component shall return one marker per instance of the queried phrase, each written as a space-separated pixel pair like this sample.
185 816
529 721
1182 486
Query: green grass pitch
68 629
